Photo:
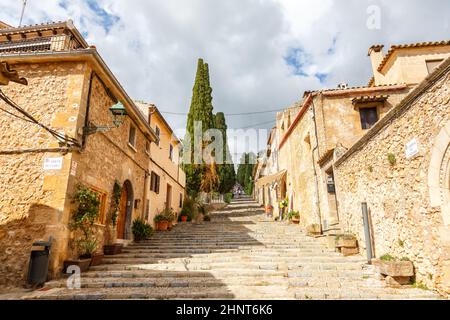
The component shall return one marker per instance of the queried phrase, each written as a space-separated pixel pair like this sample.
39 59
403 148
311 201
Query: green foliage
284 203
160 218
141 230
245 172
201 109
401 243
405 259
83 219
392 159
420 285
387 257
294 215
228 197
117 192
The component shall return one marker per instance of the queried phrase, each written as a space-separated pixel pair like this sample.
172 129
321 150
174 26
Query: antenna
23 11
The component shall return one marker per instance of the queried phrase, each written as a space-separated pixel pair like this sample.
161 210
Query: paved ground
239 255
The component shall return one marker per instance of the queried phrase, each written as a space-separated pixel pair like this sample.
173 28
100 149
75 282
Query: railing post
368 237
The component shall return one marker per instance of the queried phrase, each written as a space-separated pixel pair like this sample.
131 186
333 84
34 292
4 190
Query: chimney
376 56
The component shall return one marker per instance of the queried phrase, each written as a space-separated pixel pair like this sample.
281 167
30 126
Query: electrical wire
226 114
31 119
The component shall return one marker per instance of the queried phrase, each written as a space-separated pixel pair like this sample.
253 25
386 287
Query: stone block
397 282
395 268
349 251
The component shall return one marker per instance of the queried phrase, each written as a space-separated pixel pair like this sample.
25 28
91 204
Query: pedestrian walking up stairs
240 254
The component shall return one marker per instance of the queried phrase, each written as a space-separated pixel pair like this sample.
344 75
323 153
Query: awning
263 181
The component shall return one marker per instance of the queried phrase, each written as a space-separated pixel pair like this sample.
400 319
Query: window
132 136
147 147
155 182
181 200
158 134
369 116
171 152
433 64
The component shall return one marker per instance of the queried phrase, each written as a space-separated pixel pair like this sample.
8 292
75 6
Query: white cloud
154 45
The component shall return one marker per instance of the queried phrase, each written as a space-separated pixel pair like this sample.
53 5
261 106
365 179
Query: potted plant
161 222
397 272
141 230
82 224
294 217
114 248
184 216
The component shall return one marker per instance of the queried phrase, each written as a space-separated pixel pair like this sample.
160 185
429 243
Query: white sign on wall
412 149
73 170
53 163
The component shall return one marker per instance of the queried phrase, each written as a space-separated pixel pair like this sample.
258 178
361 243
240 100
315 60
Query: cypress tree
201 109
227 175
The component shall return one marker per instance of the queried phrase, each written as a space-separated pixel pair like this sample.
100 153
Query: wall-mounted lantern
118 113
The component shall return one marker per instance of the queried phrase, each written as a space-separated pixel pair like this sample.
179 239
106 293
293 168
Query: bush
160 217
228 197
141 230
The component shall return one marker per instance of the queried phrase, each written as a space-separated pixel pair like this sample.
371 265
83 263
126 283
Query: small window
181 200
101 219
171 152
158 134
132 136
369 116
154 182
147 147
433 64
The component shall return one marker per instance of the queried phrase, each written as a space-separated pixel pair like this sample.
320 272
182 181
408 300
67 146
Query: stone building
71 141
330 121
167 179
401 169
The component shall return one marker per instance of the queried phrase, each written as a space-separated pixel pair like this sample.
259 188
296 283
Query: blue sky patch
297 58
107 20
322 77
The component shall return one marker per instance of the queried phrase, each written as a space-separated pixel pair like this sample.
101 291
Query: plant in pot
114 248
141 230
82 224
184 216
170 217
161 222
294 217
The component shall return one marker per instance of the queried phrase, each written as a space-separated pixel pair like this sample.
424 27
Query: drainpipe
316 147
368 236
88 107
144 200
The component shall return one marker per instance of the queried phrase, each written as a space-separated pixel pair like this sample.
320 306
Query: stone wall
404 222
32 201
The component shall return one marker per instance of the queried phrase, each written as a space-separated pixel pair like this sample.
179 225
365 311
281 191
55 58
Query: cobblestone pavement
239 255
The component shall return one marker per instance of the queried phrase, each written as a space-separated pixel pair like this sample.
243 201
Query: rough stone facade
408 198
36 203
33 202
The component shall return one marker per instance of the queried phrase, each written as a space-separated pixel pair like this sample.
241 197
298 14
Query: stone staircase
238 255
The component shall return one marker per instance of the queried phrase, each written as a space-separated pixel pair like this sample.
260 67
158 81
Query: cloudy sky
262 53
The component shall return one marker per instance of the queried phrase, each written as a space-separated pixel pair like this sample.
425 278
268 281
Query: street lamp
118 113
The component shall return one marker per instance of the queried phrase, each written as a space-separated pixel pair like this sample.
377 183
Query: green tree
227 174
245 172
201 110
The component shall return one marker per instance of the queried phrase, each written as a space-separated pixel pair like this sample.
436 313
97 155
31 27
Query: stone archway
439 174
439 193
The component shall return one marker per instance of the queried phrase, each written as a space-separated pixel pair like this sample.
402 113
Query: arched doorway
125 211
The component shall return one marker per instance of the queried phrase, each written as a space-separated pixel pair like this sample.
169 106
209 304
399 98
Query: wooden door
169 197
122 217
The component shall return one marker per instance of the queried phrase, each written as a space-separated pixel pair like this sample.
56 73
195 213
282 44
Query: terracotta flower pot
83 264
184 218
163 225
97 259
295 221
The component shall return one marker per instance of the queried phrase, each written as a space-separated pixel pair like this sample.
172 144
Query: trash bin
39 260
